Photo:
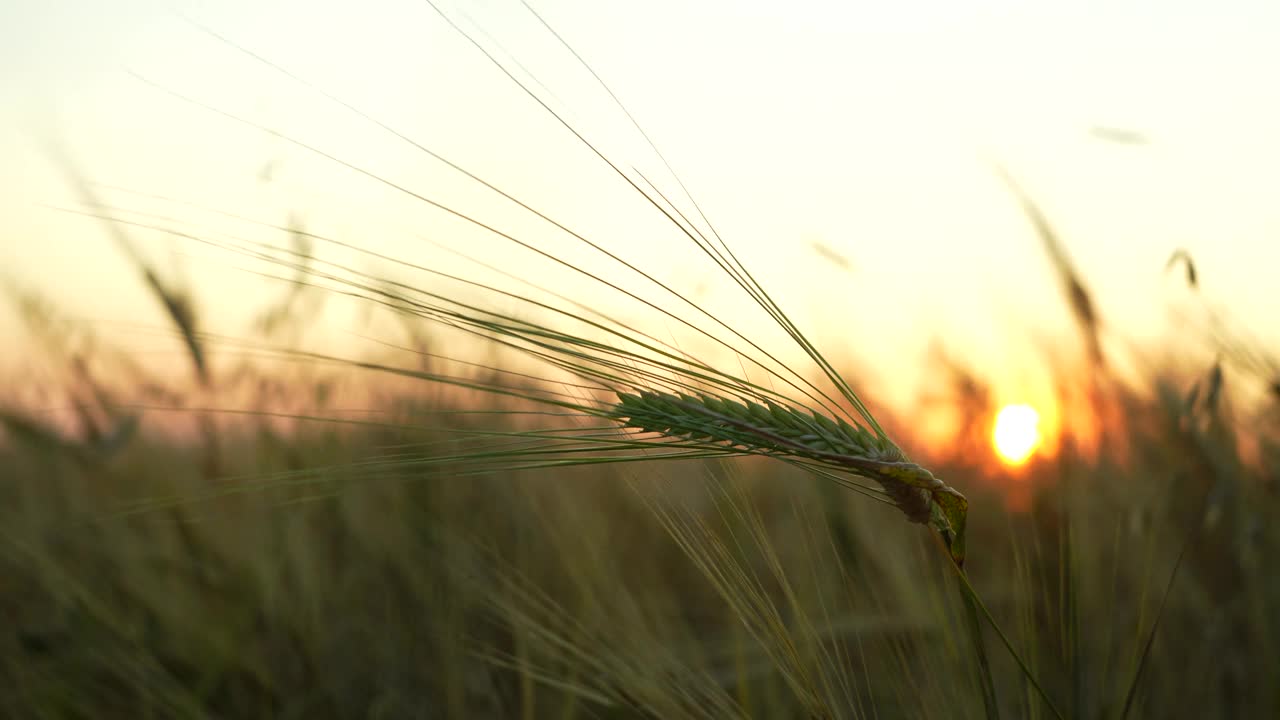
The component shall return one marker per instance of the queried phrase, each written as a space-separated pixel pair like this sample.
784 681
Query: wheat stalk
651 392
669 396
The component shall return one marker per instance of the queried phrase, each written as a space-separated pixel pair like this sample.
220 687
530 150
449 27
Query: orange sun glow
1017 433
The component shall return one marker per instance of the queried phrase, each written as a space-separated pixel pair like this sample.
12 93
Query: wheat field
537 467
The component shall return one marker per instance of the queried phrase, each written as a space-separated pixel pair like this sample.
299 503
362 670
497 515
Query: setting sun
1017 433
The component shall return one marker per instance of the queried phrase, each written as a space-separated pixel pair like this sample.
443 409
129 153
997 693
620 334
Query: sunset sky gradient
869 129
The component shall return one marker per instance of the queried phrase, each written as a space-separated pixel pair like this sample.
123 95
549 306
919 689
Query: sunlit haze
846 151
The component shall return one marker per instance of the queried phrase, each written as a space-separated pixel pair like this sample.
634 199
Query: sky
870 129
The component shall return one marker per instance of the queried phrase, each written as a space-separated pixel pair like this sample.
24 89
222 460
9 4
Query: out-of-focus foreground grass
194 563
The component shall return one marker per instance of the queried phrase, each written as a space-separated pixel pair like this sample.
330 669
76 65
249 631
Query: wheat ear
778 430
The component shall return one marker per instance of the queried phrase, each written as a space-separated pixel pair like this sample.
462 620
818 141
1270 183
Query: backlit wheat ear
777 430
612 357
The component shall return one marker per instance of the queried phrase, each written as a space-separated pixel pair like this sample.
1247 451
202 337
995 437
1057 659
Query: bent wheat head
777 430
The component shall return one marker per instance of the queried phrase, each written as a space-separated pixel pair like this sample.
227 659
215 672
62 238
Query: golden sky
869 128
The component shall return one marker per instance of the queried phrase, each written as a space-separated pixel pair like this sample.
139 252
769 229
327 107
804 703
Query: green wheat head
777 430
